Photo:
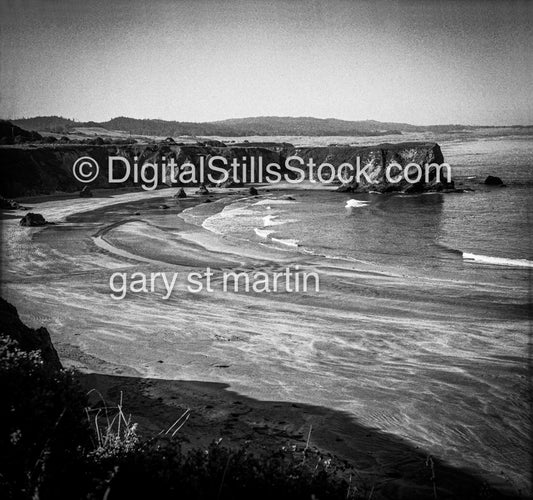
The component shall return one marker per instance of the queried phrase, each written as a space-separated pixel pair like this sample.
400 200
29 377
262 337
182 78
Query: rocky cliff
44 169
378 158
27 339
28 170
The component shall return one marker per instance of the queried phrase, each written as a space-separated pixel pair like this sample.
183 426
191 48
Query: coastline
96 351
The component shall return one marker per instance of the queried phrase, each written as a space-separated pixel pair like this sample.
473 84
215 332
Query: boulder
86 192
203 190
163 206
31 219
492 180
253 191
181 193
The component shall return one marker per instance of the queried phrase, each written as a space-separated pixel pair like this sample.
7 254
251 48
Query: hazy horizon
16 118
422 63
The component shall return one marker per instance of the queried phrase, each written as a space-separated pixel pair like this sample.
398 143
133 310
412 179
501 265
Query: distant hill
239 127
45 123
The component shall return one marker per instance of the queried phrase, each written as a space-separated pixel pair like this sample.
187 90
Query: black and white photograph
266 249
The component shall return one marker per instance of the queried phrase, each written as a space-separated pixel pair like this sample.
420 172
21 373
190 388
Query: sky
414 61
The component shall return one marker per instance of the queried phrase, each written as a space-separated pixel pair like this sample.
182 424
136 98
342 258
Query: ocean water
438 350
469 233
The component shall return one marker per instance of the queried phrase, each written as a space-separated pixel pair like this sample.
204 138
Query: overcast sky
421 62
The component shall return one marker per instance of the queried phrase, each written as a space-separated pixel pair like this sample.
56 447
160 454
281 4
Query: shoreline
217 349
386 465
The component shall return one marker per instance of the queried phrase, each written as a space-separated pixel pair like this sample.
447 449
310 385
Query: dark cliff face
31 170
27 339
379 158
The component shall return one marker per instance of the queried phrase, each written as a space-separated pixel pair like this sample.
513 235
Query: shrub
48 450
43 424
159 469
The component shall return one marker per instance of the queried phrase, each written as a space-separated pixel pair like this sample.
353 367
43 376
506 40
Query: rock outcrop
27 338
46 169
11 134
203 190
492 180
180 193
378 158
33 220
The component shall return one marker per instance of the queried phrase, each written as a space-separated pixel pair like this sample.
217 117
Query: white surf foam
356 203
497 261
268 220
287 242
228 219
263 233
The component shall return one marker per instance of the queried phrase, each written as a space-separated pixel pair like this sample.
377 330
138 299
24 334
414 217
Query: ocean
426 234
438 351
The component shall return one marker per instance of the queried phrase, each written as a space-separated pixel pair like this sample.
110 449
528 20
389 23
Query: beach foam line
287 242
356 203
267 220
263 233
497 261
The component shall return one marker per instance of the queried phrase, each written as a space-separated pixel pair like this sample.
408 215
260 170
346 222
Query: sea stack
203 190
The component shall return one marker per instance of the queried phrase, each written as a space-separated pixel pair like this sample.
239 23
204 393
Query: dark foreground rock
180 193
253 191
33 220
27 338
492 180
